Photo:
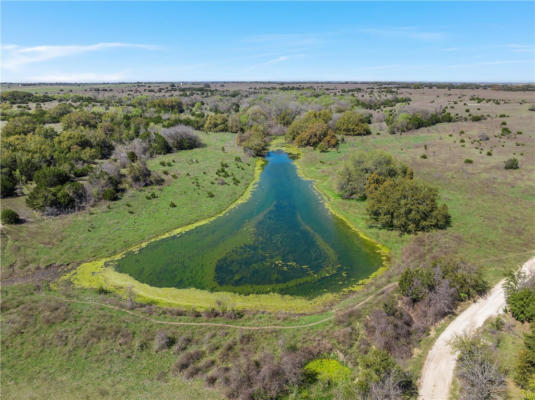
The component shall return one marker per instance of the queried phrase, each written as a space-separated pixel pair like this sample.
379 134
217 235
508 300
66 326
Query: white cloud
79 77
17 56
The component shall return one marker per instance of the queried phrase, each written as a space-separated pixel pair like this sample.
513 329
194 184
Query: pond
282 240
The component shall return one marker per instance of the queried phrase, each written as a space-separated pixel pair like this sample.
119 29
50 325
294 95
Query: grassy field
492 209
60 349
110 228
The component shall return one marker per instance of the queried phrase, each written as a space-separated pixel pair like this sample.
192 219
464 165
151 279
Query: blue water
283 239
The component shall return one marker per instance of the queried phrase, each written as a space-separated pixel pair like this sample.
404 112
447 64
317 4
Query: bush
8 183
10 217
316 133
139 174
352 179
159 145
525 364
216 123
162 341
59 199
352 124
478 371
298 126
379 377
78 119
168 104
511 163
109 194
253 141
407 206
521 303
327 370
181 137
19 126
468 161
51 177
415 283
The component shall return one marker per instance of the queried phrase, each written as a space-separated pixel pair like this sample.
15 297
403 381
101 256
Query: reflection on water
282 239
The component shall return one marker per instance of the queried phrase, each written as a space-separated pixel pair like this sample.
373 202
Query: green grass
101 231
492 209
86 353
66 350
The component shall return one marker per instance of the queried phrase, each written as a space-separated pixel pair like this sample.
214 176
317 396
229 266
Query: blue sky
177 41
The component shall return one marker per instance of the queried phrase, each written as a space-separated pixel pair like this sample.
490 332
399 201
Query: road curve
437 373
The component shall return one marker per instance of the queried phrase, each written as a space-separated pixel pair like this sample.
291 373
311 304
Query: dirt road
437 373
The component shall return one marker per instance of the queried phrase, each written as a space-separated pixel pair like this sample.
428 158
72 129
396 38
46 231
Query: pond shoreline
96 274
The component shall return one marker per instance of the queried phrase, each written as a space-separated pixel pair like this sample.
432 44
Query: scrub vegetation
89 171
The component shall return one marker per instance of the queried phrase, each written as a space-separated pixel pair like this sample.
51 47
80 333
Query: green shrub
352 179
511 163
377 366
316 133
521 303
57 199
10 217
327 370
468 161
254 140
19 126
300 125
352 124
414 283
525 364
8 183
407 206
51 177
109 194
78 119
172 204
159 145
216 123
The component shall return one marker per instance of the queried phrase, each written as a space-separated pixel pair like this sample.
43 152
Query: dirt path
224 325
437 373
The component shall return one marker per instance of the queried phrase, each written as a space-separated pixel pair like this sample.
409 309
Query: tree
352 180
216 123
407 206
352 124
298 126
10 217
254 140
316 133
